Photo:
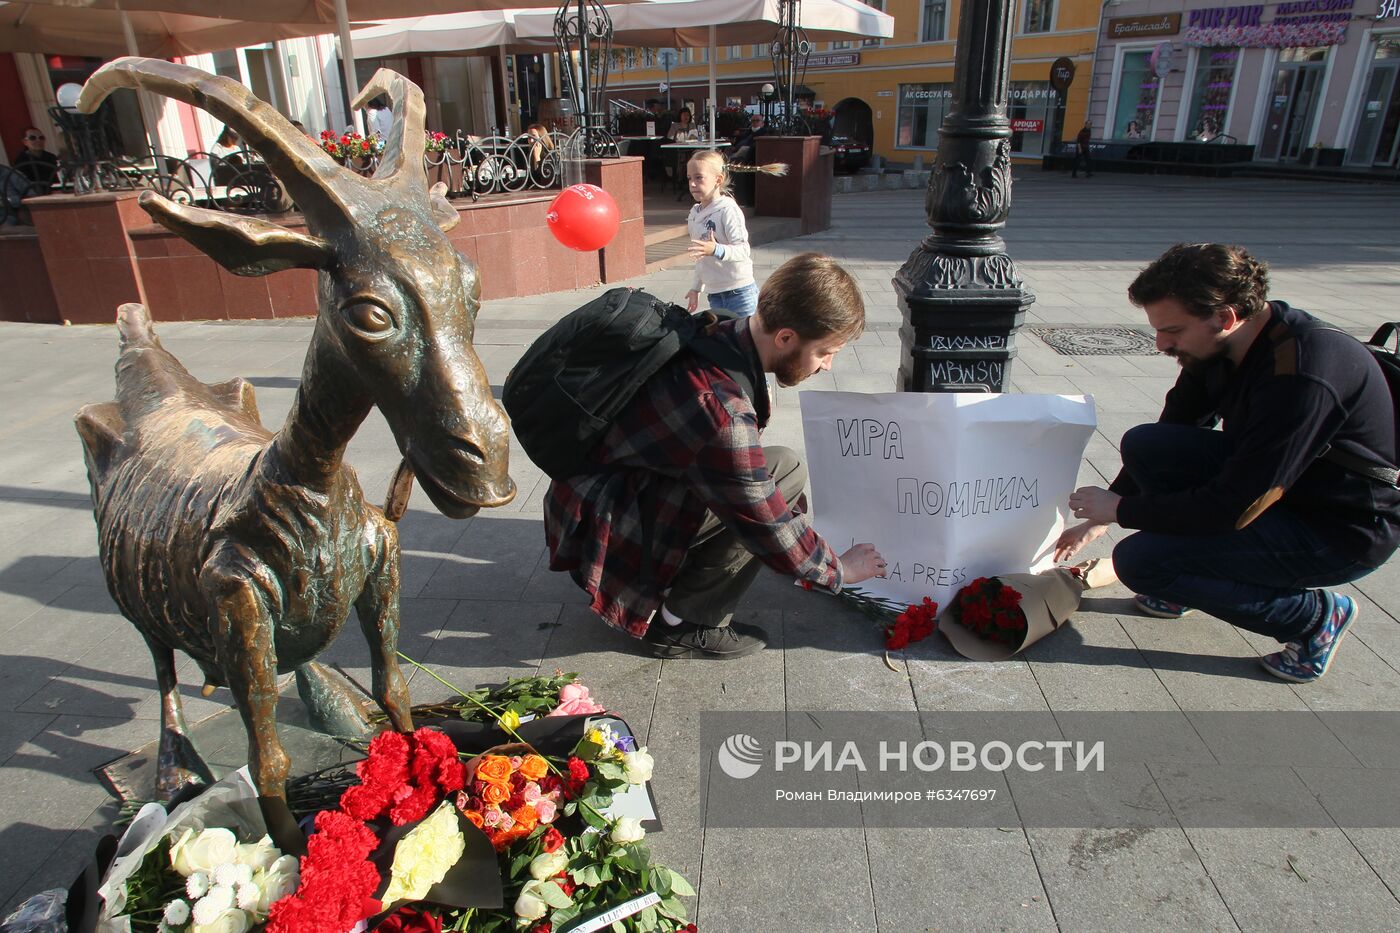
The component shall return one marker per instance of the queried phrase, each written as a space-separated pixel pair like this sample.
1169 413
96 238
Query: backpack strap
739 367
1374 467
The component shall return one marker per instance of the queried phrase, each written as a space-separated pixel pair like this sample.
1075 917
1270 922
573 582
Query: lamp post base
961 314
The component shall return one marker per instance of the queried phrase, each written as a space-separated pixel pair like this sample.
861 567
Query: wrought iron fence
240 182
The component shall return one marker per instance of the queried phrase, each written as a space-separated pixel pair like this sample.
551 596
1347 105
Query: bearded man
670 531
1296 494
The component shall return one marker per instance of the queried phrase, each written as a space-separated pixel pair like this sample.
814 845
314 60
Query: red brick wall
27 295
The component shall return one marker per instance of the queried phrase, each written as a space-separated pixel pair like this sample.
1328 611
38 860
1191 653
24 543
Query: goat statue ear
242 245
443 212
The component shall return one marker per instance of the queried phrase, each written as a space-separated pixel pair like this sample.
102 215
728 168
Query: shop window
1376 138
1038 16
1031 110
1136 106
935 28
1210 93
921 111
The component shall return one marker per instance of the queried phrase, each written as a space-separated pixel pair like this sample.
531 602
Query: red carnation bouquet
991 610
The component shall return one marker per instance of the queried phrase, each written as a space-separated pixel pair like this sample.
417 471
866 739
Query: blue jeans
1263 577
738 302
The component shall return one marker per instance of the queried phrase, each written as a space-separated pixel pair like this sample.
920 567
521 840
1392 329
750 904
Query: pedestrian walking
719 240
1081 152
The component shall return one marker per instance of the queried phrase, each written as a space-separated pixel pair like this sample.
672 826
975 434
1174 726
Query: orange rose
495 794
474 818
525 817
533 767
494 769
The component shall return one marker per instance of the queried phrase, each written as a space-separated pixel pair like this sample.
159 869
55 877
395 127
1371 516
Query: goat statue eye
369 320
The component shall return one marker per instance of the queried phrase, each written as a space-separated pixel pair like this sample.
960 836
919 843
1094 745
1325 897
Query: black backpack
576 378
1376 467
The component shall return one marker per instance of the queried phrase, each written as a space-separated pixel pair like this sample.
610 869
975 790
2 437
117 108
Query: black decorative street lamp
790 49
583 33
961 295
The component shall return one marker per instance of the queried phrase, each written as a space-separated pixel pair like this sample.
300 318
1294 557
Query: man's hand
692 301
861 563
701 248
1095 504
1073 540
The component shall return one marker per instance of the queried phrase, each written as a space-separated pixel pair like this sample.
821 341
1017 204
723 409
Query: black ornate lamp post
960 293
583 33
790 49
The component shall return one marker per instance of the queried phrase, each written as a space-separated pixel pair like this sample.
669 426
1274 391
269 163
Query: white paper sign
947 486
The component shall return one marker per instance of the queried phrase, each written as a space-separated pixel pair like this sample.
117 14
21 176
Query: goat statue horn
403 150
311 177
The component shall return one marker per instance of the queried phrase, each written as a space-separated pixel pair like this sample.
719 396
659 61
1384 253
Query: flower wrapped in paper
995 618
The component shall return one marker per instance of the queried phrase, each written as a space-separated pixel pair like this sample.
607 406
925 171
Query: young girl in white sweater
719 240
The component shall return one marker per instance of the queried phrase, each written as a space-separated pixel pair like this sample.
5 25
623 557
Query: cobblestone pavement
77 689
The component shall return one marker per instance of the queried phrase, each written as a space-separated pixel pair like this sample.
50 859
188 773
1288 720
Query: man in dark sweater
1251 523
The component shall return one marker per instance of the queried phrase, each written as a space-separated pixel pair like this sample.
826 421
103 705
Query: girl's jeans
737 302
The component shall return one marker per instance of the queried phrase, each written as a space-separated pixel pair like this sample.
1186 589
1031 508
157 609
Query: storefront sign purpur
1137 27
1027 126
1226 16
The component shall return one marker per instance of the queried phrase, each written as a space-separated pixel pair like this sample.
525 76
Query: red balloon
583 217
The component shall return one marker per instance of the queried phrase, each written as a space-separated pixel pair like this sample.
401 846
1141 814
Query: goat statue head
397 303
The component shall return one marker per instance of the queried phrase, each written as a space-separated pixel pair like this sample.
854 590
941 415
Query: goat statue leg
177 762
243 632
378 610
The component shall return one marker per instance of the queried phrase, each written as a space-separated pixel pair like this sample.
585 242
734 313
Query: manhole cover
1096 341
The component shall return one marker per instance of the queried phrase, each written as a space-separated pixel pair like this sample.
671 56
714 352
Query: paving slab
479 604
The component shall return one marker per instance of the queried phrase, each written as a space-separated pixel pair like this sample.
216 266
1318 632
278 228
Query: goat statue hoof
334 705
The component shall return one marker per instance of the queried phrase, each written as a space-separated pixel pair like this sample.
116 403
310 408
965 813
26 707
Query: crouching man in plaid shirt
668 536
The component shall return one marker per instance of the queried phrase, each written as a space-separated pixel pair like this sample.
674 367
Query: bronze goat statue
246 549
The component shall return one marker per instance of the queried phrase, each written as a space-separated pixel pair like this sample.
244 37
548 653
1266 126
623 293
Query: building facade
900 87
1315 81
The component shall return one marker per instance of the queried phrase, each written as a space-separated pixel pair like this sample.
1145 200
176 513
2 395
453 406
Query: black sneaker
697 641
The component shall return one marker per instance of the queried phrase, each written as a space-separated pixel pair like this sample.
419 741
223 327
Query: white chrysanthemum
221 897
226 874
248 897
177 913
205 912
197 885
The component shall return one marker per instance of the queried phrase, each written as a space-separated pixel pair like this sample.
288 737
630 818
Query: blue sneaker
1305 661
1159 608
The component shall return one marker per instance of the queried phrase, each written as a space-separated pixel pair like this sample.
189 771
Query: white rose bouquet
189 871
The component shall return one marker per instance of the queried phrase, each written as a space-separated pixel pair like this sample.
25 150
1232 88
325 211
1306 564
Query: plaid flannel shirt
688 442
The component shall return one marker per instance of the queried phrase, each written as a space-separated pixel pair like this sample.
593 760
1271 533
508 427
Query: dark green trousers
718 569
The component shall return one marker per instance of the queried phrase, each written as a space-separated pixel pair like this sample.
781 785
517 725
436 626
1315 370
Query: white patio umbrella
476 33
335 15
700 23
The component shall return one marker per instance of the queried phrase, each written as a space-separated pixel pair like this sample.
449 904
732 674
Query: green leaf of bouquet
617 927
563 915
518 863
673 908
611 770
593 817
589 841
587 876
647 919
679 885
660 880
634 858
587 749
553 895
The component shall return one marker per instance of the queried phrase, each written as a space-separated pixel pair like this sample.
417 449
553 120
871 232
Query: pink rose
532 792
544 808
575 701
